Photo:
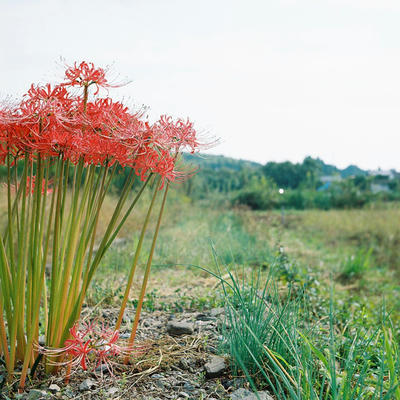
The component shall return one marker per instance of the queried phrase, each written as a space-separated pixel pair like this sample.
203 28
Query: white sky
274 79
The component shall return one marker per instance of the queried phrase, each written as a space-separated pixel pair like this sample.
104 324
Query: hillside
217 162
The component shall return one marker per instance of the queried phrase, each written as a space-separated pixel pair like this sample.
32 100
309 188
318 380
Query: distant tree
285 174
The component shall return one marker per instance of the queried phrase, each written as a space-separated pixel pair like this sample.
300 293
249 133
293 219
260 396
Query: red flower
89 347
50 121
86 74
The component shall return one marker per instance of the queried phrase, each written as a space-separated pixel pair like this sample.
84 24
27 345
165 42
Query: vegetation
310 184
312 303
66 145
306 267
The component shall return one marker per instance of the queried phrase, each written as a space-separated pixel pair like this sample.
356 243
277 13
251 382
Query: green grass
273 341
334 279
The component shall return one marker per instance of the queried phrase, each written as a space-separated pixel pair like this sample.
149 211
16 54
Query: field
354 252
337 271
311 302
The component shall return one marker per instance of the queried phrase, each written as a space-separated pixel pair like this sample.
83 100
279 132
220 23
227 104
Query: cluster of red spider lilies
52 121
72 141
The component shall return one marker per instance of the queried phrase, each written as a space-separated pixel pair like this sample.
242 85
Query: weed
356 265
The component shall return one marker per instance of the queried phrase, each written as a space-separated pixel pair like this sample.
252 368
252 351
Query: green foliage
255 186
356 264
260 194
276 344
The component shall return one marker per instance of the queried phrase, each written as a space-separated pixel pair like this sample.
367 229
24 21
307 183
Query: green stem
136 258
146 275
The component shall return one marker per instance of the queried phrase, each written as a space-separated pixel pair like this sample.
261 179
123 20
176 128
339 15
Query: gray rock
86 385
102 369
54 388
215 367
176 328
216 312
68 393
244 394
187 364
204 317
36 394
112 390
211 349
188 387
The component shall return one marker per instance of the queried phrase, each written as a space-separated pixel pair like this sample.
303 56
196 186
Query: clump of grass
276 345
356 265
253 320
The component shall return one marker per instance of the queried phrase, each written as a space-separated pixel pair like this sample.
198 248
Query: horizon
274 81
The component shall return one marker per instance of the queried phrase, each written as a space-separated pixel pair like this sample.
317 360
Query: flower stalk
61 151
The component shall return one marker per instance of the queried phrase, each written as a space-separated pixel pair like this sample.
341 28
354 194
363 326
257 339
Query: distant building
327 181
330 178
389 174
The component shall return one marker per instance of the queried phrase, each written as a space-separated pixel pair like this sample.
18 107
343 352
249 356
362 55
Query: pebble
36 394
54 388
216 312
112 390
188 387
87 384
204 317
215 367
244 394
103 369
177 328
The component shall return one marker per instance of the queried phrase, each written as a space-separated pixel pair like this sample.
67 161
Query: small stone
69 393
159 384
187 364
86 385
103 369
112 390
244 394
215 367
54 388
204 317
177 328
157 376
188 387
211 349
216 312
36 394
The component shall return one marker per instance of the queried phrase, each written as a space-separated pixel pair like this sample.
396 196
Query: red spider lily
61 136
51 122
177 135
89 347
86 74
